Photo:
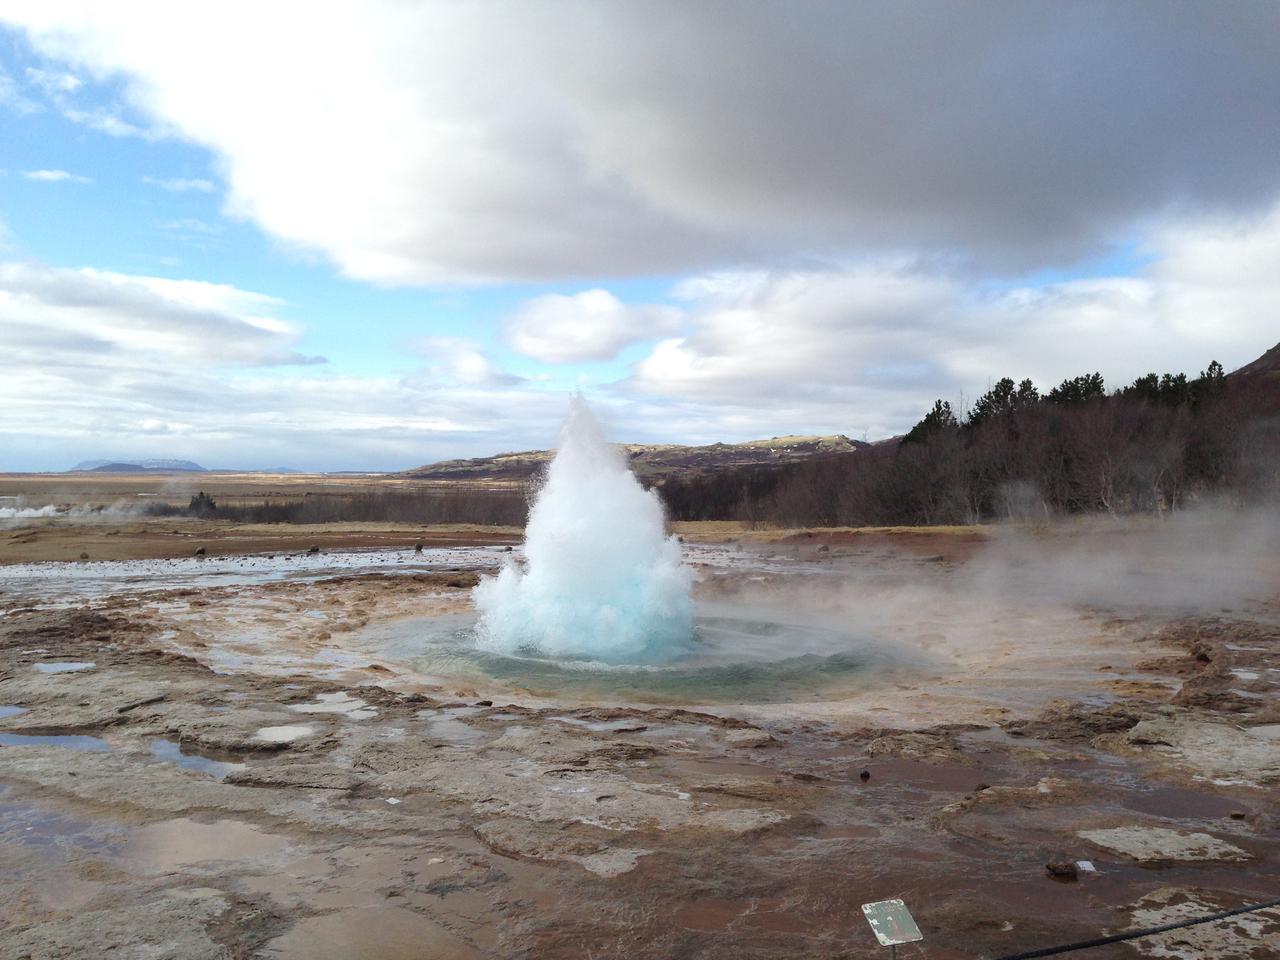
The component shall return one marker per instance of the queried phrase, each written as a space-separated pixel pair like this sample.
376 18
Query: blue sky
418 249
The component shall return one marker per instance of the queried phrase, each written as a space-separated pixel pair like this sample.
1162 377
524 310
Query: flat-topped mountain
137 466
650 461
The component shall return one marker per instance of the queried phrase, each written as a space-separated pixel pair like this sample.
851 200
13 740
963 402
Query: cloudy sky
368 236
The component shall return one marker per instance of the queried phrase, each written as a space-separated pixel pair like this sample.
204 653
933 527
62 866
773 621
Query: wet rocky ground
159 798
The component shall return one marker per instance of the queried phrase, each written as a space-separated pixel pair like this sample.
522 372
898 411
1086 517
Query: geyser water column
602 580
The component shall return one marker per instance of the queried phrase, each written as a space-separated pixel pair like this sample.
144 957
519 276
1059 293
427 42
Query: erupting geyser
602 580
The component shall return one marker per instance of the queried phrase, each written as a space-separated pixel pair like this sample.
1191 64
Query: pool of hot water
734 655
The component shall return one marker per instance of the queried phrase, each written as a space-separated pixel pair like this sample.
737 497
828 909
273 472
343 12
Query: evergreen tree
937 420
202 505
1003 400
1088 386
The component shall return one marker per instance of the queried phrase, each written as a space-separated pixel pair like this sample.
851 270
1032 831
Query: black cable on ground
1135 934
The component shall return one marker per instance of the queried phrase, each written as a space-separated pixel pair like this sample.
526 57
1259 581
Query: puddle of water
1178 804
64 666
285 734
372 933
454 731
32 826
11 711
353 708
74 741
168 751
67 892
176 843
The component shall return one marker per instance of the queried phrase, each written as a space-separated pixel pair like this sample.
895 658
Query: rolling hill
650 461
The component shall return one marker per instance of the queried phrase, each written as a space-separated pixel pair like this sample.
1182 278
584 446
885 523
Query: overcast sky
368 236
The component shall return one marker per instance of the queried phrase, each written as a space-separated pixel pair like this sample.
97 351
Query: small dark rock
1238 814
484 703
84 556
315 548
507 549
200 551
417 547
982 786
864 776
1063 870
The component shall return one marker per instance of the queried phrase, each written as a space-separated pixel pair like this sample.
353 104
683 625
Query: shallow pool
737 655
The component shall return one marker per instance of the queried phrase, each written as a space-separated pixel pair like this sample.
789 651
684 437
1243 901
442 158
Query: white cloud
55 176
868 347
461 360
82 375
592 325
109 314
461 142
12 98
98 364
180 184
54 83
105 121
189 225
61 89
94 363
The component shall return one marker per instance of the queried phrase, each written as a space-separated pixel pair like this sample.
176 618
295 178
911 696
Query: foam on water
602 580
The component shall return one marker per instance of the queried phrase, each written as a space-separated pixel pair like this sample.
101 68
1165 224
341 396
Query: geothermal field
608 737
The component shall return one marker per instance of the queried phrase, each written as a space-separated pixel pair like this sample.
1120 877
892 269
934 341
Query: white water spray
603 581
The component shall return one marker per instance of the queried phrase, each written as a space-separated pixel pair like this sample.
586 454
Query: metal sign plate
891 922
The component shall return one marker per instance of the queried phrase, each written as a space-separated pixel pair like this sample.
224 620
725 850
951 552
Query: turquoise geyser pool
735 655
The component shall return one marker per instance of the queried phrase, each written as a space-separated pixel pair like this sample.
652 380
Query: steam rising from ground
1036 586
14 509
603 581
27 513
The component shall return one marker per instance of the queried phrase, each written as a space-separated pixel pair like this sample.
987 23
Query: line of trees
463 503
1156 444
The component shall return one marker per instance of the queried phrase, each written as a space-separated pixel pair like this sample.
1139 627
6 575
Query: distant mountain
271 471
650 461
137 466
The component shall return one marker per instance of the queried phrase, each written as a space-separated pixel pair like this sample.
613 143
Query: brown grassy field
106 489
168 538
